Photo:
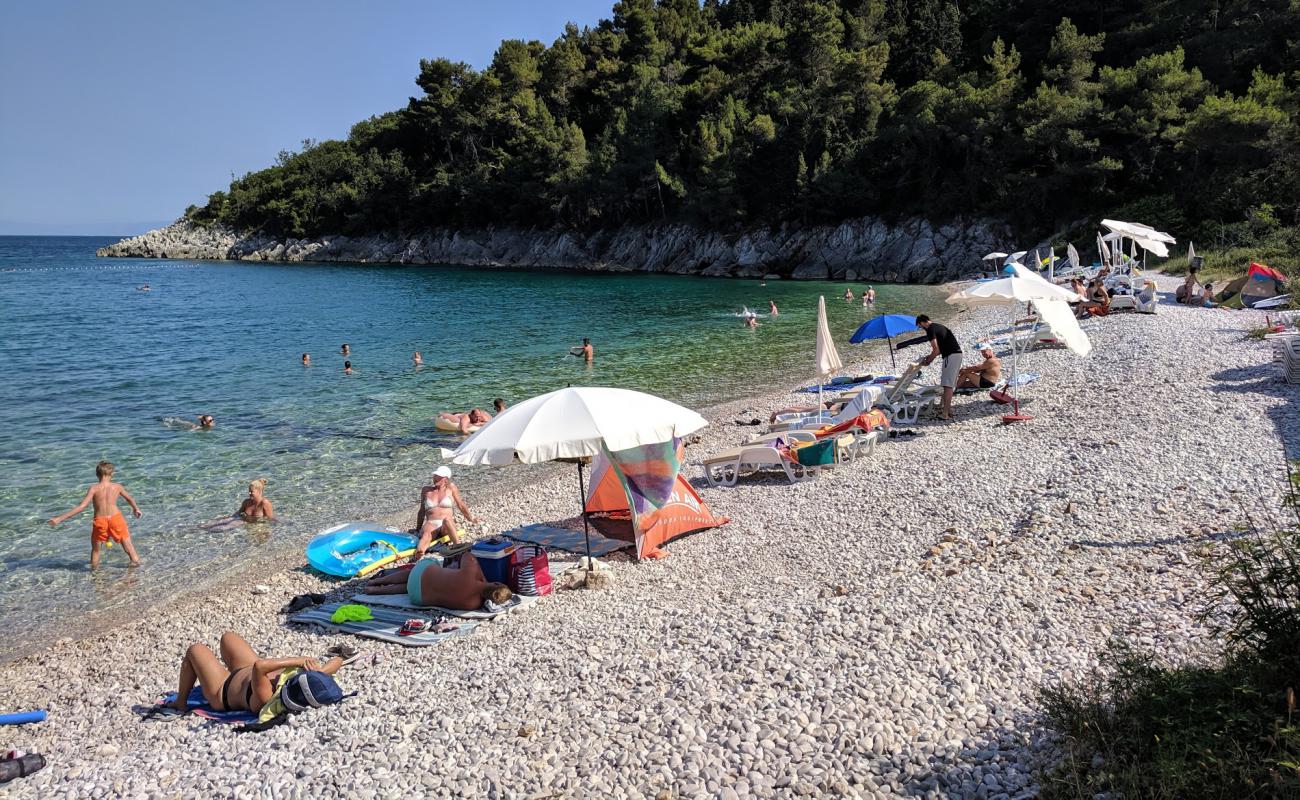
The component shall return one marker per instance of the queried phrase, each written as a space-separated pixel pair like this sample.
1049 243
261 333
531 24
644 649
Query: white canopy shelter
1146 237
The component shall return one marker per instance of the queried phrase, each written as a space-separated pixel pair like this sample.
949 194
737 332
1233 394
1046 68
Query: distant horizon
88 229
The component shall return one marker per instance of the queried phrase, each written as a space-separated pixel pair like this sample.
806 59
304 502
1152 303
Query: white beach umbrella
1144 236
573 424
828 358
994 255
1022 286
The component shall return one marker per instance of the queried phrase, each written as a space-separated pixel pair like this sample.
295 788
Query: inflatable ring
447 426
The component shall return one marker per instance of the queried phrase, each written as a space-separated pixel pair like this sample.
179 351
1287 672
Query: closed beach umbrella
573 424
884 327
828 358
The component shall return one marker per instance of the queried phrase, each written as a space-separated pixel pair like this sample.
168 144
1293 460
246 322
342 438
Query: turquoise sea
94 368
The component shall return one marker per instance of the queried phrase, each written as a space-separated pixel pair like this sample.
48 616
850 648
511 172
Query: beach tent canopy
576 422
1260 283
640 496
638 431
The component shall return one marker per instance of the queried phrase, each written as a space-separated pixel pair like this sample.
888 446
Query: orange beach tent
609 506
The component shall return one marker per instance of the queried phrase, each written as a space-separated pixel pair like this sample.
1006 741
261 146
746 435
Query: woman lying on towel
461 586
247 682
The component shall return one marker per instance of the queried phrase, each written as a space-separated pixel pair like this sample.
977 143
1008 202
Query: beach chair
859 401
727 467
848 446
1123 302
1146 300
903 401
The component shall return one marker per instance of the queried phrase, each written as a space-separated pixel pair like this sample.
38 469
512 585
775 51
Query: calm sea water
95 369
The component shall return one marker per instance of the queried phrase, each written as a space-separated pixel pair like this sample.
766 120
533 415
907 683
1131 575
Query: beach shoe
344 651
414 626
302 601
163 712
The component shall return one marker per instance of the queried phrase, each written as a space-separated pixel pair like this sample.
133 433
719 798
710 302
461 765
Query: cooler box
494 557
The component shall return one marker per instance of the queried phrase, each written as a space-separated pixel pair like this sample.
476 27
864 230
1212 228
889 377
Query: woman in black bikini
244 682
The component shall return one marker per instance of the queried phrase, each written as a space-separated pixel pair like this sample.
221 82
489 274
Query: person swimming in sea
771 305
751 322
345 350
347 367
417 359
306 359
143 287
257 505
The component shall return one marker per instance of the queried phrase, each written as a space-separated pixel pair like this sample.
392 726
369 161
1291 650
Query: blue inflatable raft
357 548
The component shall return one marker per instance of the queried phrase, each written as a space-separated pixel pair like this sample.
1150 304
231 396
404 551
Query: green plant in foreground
1140 728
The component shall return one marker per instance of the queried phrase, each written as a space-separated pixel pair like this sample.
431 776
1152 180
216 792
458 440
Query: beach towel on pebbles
385 625
566 539
515 602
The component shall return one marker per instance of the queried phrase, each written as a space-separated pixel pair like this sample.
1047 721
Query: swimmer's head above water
207 421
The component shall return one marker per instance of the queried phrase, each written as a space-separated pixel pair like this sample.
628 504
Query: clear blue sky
115 114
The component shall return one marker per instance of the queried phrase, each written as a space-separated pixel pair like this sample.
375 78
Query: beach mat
384 627
845 386
566 539
516 602
199 707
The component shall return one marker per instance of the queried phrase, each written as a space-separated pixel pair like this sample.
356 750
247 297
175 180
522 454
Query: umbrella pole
582 503
892 365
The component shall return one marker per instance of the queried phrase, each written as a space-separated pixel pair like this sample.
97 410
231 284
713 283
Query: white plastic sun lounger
848 446
726 467
858 403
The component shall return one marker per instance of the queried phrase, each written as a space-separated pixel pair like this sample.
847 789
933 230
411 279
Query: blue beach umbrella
886 327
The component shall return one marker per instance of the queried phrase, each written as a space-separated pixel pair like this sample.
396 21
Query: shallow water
96 369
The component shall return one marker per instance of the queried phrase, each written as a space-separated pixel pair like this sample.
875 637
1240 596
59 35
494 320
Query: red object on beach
530 571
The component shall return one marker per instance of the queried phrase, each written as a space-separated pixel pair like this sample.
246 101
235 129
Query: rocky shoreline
881 631
912 251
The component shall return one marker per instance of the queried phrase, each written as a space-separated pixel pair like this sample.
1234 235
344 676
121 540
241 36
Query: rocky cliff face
913 251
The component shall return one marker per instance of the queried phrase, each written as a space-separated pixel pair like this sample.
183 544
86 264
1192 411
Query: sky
115 116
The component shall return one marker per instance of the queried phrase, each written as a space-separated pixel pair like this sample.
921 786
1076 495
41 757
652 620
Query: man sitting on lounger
460 586
984 375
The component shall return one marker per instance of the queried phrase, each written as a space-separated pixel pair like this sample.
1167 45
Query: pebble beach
882 631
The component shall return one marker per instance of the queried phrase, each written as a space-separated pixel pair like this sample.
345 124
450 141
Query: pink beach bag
530 571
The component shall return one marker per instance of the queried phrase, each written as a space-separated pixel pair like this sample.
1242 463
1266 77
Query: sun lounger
903 401
726 467
858 402
848 446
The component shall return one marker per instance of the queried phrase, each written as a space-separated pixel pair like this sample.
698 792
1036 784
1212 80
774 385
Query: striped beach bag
530 571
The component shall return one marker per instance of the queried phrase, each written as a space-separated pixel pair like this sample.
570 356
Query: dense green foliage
751 112
1144 729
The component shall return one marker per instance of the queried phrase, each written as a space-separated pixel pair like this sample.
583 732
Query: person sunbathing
828 405
984 375
1098 302
460 586
465 420
241 680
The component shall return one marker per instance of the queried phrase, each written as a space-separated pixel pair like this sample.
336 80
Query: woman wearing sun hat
436 515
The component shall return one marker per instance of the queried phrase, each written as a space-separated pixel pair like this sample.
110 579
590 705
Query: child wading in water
109 525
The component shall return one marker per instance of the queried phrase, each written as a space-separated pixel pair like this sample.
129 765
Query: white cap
442 472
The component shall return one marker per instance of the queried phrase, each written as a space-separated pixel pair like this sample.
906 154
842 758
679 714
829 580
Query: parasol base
1007 419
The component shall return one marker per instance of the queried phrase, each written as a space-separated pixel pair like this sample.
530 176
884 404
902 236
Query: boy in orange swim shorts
108 525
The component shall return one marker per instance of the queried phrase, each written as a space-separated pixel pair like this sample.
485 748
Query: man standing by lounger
944 346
